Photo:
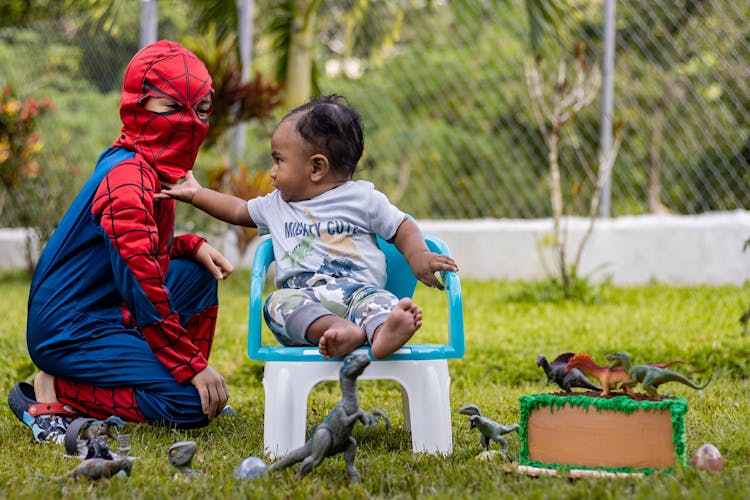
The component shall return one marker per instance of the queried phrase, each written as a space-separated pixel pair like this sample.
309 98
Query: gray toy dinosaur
97 468
566 380
334 434
181 456
489 429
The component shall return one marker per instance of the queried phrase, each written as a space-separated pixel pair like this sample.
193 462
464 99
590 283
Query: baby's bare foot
337 341
398 328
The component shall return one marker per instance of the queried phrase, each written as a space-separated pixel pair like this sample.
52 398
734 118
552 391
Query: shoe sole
20 397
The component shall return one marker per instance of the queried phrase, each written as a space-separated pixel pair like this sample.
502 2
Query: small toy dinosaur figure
93 436
489 429
334 434
608 376
98 468
97 447
181 456
566 380
650 376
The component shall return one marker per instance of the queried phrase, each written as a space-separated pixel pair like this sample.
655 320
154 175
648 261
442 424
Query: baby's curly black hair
333 129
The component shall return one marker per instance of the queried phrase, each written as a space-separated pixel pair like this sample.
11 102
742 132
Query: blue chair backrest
399 279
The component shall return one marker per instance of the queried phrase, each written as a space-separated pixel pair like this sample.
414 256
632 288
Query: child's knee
288 312
180 405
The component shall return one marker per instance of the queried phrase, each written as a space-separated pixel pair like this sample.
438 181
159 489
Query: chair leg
287 386
405 408
425 389
430 409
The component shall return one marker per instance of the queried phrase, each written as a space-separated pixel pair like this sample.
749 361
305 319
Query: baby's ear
320 167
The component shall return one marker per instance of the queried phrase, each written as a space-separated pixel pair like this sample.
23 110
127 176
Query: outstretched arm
227 208
424 264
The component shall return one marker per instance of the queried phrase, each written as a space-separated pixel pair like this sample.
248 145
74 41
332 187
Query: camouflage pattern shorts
289 311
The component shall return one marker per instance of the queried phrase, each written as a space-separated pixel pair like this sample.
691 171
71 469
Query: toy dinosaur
650 376
181 456
97 447
98 468
489 429
608 376
566 380
87 437
334 434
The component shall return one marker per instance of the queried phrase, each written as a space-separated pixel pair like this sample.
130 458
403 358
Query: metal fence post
608 65
149 22
245 41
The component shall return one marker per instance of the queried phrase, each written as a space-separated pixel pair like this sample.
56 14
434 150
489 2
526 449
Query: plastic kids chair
420 369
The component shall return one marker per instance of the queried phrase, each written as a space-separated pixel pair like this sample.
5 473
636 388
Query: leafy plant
580 289
234 100
29 192
555 116
20 141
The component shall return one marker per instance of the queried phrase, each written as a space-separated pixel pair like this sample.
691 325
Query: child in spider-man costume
121 312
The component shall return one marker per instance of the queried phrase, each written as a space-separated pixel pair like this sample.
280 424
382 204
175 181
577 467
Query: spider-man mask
168 141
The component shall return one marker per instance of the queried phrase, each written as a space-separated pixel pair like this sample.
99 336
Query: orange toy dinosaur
608 376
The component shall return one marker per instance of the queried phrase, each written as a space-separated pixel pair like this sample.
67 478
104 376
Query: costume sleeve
125 208
186 245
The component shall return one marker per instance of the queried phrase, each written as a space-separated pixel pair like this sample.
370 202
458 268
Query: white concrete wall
679 250
13 248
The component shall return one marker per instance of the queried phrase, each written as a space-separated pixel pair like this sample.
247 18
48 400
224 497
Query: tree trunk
299 64
3 192
557 201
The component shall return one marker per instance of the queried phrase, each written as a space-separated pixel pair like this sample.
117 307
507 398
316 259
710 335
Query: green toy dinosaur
650 377
488 429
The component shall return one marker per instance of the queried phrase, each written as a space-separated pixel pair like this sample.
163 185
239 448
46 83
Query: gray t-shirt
332 234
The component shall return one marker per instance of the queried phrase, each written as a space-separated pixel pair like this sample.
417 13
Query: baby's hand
183 191
425 264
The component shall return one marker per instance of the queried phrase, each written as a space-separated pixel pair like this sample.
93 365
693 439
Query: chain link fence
442 90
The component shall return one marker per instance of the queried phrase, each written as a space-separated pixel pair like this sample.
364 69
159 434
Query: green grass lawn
504 334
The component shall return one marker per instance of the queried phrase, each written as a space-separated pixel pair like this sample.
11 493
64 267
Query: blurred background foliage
440 86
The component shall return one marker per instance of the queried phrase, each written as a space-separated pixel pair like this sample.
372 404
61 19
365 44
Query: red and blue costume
119 312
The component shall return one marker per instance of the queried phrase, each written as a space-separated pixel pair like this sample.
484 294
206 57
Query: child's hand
214 261
425 264
212 390
183 191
